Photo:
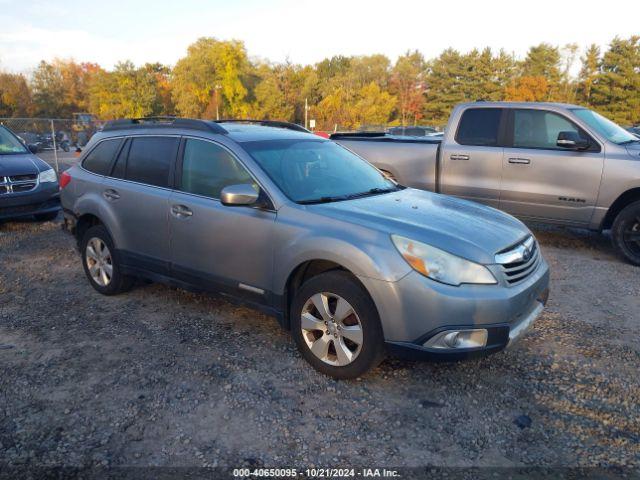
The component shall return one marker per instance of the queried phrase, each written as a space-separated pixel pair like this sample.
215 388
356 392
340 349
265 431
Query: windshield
309 171
605 127
9 143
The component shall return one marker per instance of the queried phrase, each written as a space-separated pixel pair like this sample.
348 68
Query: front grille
520 261
18 183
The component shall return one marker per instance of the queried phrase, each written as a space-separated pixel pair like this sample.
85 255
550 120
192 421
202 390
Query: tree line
219 78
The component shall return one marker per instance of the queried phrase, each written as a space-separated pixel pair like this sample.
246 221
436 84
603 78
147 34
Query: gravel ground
164 377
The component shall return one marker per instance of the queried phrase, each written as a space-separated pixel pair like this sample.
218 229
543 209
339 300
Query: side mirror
572 141
33 148
238 195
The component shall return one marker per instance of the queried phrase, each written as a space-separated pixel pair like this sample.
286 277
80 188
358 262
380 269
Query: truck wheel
100 262
626 233
336 326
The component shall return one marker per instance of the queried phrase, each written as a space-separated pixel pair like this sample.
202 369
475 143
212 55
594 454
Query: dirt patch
164 377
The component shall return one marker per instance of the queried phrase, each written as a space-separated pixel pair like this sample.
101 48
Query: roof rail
164 122
267 123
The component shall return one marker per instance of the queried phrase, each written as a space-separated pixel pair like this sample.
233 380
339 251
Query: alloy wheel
99 261
331 329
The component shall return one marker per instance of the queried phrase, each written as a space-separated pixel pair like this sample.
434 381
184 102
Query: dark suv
28 185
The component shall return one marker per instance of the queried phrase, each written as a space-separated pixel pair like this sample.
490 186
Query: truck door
543 180
471 157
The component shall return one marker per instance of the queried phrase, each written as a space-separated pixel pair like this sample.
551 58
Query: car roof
482 103
237 130
247 132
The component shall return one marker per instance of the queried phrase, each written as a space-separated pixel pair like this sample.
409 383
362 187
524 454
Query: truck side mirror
572 141
33 148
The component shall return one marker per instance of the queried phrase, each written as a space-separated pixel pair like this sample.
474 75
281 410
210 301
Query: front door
542 180
222 248
471 164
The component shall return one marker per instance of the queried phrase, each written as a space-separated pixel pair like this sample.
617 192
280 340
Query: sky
301 31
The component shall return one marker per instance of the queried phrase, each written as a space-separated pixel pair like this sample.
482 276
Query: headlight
48 176
440 265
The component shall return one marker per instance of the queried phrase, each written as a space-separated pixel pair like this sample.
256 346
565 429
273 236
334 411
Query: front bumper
41 200
415 309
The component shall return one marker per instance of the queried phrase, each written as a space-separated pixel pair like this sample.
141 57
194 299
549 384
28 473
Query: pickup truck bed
409 160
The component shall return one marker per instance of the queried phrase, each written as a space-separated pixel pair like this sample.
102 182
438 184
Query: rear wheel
626 233
100 262
336 326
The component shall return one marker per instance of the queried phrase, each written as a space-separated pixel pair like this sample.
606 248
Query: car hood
19 165
634 149
466 229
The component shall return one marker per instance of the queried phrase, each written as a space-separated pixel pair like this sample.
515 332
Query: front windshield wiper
374 191
323 200
627 142
351 196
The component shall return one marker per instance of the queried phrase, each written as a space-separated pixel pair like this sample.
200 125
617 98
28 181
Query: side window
207 168
539 129
121 161
479 126
99 159
150 160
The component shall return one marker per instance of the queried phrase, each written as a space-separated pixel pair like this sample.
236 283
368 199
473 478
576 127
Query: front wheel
336 326
626 233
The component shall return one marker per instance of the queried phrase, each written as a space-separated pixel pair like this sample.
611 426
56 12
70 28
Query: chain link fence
55 140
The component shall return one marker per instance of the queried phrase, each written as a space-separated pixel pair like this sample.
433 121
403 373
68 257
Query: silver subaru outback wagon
355 265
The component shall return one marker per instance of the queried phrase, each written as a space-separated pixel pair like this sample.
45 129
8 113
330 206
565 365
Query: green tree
211 77
616 89
373 107
588 73
127 92
544 61
48 91
407 84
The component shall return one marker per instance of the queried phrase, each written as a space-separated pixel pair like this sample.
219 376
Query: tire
109 279
46 217
626 233
344 357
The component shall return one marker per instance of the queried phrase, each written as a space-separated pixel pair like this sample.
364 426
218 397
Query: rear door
228 249
471 161
542 180
138 193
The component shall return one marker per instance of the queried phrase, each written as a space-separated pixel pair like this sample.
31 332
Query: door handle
111 194
521 161
181 211
459 157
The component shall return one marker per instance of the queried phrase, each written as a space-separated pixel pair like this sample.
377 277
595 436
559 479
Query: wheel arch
618 205
305 271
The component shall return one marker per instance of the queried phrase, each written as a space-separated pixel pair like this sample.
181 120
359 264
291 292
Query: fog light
456 339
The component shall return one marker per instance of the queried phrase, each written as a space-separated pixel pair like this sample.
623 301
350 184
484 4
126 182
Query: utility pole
306 113
216 88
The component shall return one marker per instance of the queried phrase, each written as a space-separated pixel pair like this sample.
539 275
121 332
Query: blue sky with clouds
303 31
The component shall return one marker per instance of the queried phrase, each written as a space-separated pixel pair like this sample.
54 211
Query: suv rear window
150 160
479 126
99 159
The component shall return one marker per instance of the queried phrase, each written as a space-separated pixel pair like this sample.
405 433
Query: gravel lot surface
165 377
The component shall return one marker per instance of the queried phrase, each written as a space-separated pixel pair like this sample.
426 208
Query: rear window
479 126
99 159
150 160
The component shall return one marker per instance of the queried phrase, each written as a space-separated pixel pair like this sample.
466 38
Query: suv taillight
65 178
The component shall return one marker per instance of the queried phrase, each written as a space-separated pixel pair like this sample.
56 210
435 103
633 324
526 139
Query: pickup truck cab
548 162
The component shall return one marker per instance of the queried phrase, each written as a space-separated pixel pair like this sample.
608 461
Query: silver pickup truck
547 162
